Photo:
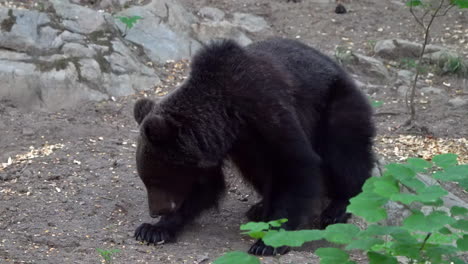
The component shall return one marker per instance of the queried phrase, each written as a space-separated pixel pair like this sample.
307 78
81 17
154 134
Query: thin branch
421 23
446 10
418 68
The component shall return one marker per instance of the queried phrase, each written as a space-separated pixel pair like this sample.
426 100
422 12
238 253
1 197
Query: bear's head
162 164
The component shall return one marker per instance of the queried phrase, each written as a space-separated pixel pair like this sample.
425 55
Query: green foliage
129 22
106 254
434 236
237 257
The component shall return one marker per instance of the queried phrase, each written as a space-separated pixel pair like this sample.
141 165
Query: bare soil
69 183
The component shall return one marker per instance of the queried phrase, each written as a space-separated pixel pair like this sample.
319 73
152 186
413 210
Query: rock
370 66
41 66
249 22
164 32
78 19
78 50
406 76
395 49
210 30
403 90
458 102
431 90
211 13
27 31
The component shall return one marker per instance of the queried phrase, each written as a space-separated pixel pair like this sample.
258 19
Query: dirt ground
68 184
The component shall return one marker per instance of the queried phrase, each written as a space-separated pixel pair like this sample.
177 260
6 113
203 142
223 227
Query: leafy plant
129 22
106 254
434 236
343 55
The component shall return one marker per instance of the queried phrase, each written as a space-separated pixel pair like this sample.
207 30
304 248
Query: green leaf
291 238
457 210
408 250
255 226
430 194
430 223
332 256
377 258
462 243
378 230
455 173
400 171
364 243
413 183
435 252
376 104
369 184
456 260
445 231
386 187
277 223
461 224
413 3
404 237
445 160
340 233
418 165
464 184
368 206
255 234
237 257
461 3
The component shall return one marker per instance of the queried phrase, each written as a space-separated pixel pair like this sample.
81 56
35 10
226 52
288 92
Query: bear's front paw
260 249
153 234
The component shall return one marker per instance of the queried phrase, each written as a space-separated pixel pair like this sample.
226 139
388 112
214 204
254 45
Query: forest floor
68 183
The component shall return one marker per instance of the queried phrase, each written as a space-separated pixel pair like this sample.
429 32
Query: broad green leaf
418 165
378 230
445 160
457 210
462 243
435 252
332 256
369 184
368 206
277 223
386 187
455 173
445 231
255 226
237 257
364 243
340 233
413 183
429 194
407 250
291 238
461 3
377 258
255 234
456 260
400 171
404 237
413 3
464 184
430 223
461 224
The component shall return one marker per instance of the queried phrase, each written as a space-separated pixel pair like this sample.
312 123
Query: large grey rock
369 66
45 64
164 32
211 13
26 30
406 76
249 22
399 48
210 30
78 19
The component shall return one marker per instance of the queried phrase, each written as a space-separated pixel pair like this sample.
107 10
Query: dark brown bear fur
288 116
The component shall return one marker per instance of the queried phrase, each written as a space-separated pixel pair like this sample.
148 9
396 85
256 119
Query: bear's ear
142 108
157 129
